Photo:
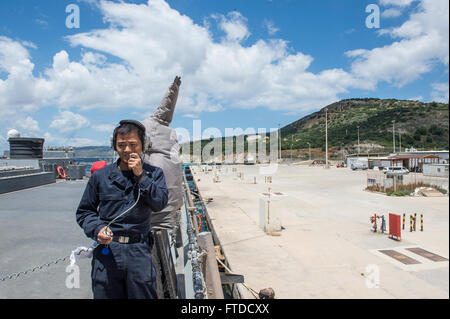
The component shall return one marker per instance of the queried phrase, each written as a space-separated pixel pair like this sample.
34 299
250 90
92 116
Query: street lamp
393 133
292 141
358 140
326 138
279 141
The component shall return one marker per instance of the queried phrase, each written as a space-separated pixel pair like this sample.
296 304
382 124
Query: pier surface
327 248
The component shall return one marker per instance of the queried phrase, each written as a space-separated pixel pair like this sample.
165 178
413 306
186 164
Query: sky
70 70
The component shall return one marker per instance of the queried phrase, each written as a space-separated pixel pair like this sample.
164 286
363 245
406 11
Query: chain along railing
40 267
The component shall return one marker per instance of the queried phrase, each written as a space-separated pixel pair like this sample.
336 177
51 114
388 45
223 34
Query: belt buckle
123 239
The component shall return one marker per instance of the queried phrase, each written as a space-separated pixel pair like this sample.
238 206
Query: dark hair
126 127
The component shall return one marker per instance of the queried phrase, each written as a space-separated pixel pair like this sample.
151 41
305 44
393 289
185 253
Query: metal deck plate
400 257
427 254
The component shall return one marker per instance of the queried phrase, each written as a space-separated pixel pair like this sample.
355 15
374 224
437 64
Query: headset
145 139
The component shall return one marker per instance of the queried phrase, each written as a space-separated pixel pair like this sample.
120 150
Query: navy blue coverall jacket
127 271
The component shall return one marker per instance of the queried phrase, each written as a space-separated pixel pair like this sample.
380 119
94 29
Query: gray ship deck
37 226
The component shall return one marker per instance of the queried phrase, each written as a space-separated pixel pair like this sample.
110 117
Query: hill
419 125
423 126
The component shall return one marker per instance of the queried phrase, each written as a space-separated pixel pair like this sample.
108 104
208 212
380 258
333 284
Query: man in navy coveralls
122 264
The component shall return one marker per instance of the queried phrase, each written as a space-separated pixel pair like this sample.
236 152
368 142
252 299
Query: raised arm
166 108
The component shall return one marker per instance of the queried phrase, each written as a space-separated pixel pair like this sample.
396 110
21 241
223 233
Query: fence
380 181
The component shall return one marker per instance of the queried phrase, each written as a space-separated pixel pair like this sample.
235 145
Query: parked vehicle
249 160
359 165
395 170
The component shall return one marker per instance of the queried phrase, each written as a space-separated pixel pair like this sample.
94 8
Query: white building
439 170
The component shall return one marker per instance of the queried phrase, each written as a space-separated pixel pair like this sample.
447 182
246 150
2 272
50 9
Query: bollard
383 225
403 221
410 223
421 222
415 217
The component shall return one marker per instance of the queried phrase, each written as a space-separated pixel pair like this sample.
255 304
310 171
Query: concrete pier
327 248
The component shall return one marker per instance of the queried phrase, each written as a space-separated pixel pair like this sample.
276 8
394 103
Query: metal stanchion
421 222
403 221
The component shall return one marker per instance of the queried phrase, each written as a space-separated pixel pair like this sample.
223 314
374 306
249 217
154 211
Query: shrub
399 193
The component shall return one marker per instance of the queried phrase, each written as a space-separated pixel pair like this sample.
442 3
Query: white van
359 165
395 170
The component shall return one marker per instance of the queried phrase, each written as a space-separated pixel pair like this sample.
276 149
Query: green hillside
423 126
419 125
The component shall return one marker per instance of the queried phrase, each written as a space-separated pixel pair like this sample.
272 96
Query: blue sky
244 64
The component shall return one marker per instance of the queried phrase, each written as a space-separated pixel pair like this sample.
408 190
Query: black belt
130 239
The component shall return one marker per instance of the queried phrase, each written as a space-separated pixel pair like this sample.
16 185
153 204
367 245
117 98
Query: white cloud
68 122
27 125
109 128
234 26
215 74
153 43
399 3
440 92
191 116
391 13
422 44
271 29
52 140
19 90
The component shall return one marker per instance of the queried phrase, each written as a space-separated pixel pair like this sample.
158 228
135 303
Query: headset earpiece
145 139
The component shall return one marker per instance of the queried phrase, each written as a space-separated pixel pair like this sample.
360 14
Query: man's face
127 144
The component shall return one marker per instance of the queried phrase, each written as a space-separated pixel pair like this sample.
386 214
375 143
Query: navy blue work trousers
127 272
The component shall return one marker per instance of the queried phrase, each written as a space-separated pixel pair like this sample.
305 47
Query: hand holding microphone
135 164
105 236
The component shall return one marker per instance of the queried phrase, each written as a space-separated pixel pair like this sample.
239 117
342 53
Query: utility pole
400 137
326 138
279 140
393 134
292 141
358 140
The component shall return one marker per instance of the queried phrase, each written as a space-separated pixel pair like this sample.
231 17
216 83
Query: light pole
326 138
393 134
400 137
358 140
279 141
292 140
